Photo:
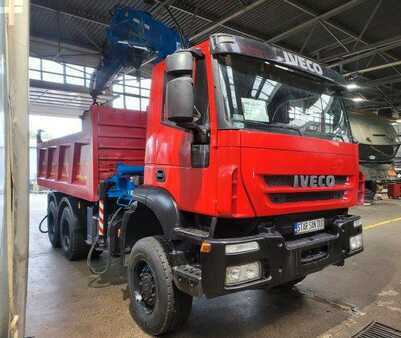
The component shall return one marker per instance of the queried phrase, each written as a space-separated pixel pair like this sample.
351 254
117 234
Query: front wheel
156 305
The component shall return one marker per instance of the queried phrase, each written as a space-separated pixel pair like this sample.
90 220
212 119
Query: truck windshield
262 95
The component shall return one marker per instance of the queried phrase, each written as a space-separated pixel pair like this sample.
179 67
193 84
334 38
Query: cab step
193 233
188 278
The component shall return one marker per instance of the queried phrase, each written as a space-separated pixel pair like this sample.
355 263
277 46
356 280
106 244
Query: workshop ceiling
359 38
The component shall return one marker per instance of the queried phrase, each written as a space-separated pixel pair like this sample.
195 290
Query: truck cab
250 159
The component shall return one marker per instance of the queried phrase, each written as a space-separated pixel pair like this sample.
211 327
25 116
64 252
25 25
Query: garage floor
65 300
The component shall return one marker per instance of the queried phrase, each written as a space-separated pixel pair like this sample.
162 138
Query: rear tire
53 229
157 305
72 236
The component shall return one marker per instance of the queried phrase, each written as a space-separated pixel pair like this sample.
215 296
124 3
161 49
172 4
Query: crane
133 39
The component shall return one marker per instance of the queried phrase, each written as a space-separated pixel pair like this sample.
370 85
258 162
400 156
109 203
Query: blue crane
134 38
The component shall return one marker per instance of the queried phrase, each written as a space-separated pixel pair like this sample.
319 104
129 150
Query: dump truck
240 175
378 146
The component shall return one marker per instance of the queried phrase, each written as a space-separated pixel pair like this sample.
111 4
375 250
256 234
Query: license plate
308 226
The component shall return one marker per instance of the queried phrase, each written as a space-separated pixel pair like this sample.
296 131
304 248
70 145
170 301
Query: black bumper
282 261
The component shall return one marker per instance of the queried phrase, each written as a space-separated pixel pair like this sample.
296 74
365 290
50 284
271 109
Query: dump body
75 164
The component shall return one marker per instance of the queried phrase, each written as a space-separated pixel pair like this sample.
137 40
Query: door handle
160 175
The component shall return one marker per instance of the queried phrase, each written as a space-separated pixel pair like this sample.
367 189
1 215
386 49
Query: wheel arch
155 213
163 206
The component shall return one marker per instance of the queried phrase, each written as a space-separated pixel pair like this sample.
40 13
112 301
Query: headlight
355 242
241 247
357 223
238 274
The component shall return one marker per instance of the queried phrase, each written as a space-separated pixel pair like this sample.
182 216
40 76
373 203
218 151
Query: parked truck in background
378 146
239 176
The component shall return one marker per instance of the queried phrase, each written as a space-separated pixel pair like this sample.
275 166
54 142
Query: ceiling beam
372 69
229 17
58 86
316 18
384 81
190 10
48 109
74 13
69 46
365 52
334 25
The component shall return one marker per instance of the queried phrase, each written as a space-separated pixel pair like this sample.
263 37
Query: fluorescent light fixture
283 67
358 99
351 86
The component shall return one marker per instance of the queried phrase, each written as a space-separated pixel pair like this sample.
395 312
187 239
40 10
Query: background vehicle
378 146
244 179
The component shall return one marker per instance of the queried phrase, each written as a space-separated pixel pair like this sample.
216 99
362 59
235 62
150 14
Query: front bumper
282 261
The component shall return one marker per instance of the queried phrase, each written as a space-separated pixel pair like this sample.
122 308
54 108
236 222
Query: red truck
239 176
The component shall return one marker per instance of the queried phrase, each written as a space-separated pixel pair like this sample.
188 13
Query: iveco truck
240 175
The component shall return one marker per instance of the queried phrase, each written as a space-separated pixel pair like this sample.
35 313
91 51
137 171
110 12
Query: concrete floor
65 300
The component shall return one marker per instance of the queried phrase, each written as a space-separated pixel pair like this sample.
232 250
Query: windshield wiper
275 125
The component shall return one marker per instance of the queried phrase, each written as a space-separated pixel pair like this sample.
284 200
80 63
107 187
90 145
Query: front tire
156 305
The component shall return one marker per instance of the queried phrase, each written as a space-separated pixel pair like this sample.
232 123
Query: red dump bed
75 164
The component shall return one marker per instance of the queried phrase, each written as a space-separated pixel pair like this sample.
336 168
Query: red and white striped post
101 218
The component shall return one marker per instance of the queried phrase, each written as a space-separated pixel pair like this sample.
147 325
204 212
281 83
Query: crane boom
133 39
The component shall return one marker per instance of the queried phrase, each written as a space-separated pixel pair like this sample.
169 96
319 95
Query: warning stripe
101 218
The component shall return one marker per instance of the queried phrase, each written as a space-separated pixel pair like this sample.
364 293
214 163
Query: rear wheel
157 305
53 229
72 236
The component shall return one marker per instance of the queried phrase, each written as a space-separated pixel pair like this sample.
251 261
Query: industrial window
132 93
128 92
74 75
64 73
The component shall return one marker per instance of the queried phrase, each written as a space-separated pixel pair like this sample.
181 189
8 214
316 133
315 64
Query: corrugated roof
82 23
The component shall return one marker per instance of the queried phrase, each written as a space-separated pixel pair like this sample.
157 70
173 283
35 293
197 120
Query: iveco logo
314 181
299 61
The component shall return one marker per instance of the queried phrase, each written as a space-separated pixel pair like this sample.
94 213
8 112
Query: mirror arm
201 134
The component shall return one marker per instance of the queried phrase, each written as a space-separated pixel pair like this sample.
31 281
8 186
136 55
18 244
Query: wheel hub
146 287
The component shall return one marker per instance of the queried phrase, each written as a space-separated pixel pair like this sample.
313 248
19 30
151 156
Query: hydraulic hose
40 226
93 246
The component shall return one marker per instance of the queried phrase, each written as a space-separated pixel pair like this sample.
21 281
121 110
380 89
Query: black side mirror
180 91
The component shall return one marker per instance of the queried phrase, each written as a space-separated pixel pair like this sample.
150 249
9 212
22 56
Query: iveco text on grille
314 181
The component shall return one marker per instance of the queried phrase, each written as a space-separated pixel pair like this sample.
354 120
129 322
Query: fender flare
163 205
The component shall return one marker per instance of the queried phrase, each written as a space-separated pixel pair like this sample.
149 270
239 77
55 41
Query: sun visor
230 44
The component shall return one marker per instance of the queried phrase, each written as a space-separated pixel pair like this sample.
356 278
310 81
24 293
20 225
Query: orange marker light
206 247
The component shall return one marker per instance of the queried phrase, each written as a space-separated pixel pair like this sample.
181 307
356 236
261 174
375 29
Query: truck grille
288 180
306 196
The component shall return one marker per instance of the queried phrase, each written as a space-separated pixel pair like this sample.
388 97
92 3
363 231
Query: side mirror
180 100
180 88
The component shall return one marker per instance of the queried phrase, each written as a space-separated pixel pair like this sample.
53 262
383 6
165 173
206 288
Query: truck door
178 158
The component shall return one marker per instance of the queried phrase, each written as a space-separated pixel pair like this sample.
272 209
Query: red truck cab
249 171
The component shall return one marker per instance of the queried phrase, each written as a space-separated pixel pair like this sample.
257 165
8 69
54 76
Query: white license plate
308 226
